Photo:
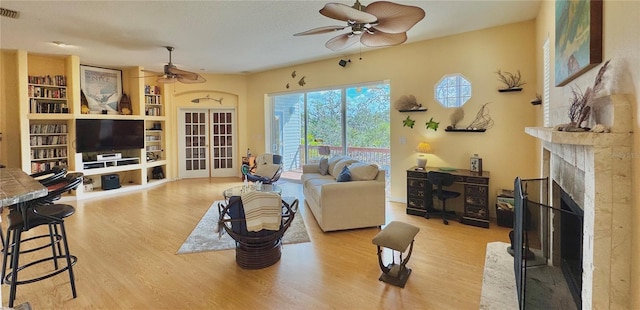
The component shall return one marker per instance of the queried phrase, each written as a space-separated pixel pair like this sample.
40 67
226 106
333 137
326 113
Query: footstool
396 236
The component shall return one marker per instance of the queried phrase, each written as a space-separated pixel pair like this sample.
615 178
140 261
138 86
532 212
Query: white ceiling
218 36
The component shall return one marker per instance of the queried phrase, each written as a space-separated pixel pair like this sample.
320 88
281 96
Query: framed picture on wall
102 88
578 42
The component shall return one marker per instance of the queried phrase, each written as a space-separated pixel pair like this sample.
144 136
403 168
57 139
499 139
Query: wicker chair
254 250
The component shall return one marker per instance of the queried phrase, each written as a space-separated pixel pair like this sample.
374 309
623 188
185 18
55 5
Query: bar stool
31 215
396 236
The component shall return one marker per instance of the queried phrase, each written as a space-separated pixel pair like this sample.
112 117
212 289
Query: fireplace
595 170
571 226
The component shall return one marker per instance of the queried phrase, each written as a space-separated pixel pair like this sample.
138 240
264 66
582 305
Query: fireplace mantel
547 134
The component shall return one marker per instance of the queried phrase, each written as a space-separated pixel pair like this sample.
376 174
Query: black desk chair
440 180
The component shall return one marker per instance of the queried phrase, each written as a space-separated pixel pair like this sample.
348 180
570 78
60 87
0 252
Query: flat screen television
99 135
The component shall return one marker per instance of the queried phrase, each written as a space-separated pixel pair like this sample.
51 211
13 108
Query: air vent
9 13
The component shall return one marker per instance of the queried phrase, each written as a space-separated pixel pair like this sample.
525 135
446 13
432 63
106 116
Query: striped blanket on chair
262 210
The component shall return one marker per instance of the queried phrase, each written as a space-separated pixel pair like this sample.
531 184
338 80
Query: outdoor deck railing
378 156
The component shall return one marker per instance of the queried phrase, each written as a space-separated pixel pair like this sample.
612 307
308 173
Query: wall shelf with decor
414 110
464 130
508 90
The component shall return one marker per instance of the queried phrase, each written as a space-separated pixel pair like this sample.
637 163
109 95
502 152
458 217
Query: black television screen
96 135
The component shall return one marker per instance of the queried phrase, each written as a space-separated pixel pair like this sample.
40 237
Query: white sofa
345 205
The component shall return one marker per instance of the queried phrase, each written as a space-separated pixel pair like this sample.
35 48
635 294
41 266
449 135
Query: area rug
205 237
498 280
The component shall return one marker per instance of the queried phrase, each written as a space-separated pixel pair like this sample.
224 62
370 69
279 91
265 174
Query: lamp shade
423 147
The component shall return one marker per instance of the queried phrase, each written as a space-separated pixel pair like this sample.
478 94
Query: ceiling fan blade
156 73
182 73
379 38
321 30
167 80
200 79
345 13
342 41
393 17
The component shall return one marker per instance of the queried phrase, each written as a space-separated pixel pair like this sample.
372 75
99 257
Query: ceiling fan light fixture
171 73
379 24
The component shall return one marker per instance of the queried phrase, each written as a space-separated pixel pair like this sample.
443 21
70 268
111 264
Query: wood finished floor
126 247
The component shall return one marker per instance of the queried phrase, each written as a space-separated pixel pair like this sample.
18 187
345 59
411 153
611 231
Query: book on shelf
49 153
47 128
47 165
36 106
56 80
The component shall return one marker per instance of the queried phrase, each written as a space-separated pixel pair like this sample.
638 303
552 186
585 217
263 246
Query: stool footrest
398 280
74 259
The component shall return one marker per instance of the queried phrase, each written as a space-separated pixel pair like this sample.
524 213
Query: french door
207 143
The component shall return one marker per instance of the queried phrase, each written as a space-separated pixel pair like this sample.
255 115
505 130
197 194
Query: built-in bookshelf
152 101
49 145
50 107
47 94
154 144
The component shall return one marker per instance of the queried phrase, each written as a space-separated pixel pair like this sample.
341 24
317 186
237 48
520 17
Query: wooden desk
475 194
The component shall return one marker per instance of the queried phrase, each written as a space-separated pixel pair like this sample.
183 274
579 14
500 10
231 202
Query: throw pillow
324 166
345 175
363 171
341 164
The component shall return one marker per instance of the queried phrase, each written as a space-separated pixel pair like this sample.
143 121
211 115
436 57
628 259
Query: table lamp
423 148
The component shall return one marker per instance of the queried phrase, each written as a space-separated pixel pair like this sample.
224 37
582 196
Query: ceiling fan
172 74
378 24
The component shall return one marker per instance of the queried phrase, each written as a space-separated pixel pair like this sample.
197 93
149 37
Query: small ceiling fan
378 24
172 74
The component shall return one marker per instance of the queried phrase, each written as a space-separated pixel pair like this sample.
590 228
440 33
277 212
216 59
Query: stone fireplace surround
595 169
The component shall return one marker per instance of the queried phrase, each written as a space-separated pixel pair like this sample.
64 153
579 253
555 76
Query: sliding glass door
350 120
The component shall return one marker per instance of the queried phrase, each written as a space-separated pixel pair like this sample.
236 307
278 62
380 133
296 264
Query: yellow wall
621 43
9 116
414 69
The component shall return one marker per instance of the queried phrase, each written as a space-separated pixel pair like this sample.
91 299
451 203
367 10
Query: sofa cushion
361 171
324 166
314 186
312 176
333 161
344 176
340 165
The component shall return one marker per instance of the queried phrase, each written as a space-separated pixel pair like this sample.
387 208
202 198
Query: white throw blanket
262 210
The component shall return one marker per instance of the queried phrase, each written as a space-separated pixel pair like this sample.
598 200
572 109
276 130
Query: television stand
110 163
